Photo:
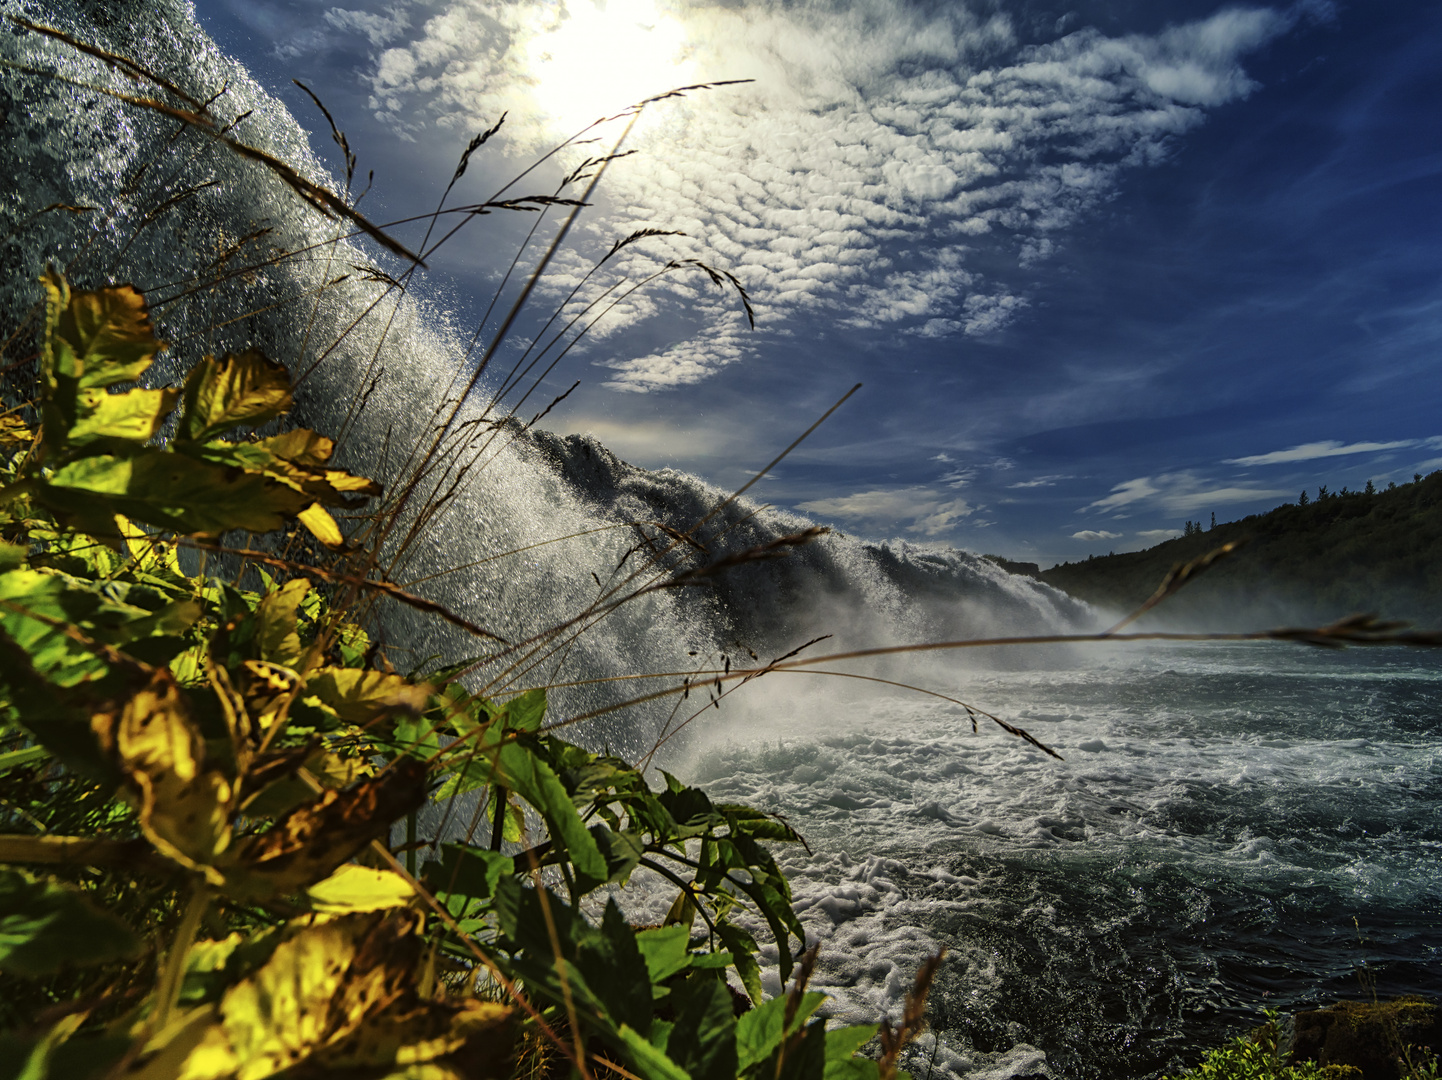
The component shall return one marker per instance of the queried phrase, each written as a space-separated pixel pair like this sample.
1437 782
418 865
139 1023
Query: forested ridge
1318 559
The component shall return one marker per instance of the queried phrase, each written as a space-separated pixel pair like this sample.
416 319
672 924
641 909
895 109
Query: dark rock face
1371 1037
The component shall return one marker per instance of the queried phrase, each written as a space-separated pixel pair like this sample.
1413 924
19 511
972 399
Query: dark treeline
1328 555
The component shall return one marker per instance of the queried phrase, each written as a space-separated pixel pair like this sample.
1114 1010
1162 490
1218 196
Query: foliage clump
199 782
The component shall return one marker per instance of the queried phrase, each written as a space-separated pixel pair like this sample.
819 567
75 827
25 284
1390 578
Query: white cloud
1156 536
928 512
1315 450
1125 494
378 29
1180 492
879 143
1039 482
1095 534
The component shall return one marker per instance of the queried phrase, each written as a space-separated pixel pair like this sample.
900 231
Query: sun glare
603 56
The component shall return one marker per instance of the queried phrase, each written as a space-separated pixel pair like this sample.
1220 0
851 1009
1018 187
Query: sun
602 56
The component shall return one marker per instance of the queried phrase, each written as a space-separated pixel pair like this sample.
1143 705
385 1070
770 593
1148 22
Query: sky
1101 268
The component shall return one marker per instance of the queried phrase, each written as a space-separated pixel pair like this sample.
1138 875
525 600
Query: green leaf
743 949
533 780
665 951
841 1047
168 490
467 871
760 1031
222 394
16 759
360 697
525 711
651 1063
612 966
45 928
704 1039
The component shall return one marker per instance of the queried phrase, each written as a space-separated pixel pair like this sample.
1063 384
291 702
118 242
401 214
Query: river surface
1235 827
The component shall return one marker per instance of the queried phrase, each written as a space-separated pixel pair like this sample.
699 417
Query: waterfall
112 192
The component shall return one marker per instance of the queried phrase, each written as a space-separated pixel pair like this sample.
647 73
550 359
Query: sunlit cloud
878 147
928 512
1095 534
1156 536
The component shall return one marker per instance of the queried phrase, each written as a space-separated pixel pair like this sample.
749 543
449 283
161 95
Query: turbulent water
1221 817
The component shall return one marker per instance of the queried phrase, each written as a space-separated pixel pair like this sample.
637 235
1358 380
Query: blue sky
1102 268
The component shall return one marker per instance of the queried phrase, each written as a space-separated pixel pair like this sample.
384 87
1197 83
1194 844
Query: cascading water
176 214
1220 817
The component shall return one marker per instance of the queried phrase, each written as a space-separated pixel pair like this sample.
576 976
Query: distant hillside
1336 555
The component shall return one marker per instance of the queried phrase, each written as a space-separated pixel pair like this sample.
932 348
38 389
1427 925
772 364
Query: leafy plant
1258 1056
206 773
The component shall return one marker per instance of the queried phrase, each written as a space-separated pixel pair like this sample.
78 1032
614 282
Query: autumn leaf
221 394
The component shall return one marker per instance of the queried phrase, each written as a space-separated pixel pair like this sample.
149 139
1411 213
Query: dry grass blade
556 401
804 970
720 278
395 592
639 234
913 1019
774 461
335 133
1357 630
772 549
123 64
471 147
319 197
1179 576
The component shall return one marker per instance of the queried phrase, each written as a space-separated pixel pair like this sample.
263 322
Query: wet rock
1371 1037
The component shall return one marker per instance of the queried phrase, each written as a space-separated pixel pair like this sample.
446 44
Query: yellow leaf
322 526
172 491
15 432
95 338
358 697
184 809
310 842
301 446
222 394
276 632
359 888
135 415
413 1040
318 988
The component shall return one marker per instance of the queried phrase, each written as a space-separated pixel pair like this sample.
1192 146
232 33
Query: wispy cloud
1156 536
880 145
1039 482
1328 448
1095 534
1180 492
928 512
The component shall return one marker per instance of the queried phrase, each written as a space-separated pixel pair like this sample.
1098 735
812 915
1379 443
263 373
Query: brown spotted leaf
310 842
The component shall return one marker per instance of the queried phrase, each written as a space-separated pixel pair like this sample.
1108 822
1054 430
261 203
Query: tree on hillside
1302 499
1323 493
1370 489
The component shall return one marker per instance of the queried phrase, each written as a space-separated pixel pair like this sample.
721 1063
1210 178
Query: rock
1372 1038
